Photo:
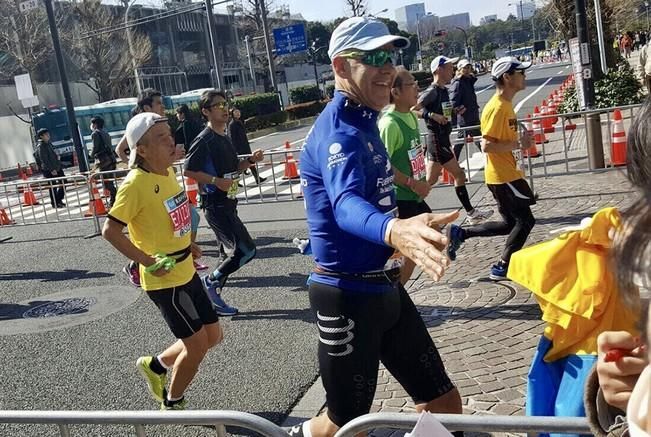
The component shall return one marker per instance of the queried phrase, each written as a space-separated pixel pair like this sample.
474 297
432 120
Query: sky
331 9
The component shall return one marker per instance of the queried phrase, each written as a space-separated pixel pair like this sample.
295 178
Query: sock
157 366
215 276
306 429
462 194
171 401
162 363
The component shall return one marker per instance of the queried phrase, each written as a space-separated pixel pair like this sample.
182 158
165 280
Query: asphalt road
85 358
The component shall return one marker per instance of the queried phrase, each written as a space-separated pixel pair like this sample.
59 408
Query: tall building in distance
525 10
457 20
407 16
487 19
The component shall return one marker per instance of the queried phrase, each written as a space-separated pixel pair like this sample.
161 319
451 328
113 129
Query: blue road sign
290 39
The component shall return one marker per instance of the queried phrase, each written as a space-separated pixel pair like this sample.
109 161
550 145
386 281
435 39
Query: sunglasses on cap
374 58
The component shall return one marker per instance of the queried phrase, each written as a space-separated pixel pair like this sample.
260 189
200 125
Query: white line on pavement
488 87
522 102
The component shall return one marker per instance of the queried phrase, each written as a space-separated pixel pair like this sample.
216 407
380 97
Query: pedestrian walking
464 104
364 315
213 162
237 134
51 167
155 209
435 108
103 155
401 136
503 178
188 128
644 66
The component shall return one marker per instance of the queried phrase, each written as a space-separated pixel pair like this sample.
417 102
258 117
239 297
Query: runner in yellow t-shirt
156 211
499 130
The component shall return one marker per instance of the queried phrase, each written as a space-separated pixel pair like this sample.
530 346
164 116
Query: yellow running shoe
155 382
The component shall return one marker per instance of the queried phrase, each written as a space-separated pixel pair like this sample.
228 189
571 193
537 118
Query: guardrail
138 419
473 423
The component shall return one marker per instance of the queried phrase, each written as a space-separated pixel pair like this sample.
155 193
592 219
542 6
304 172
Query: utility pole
593 121
600 36
267 42
248 56
211 32
130 41
70 109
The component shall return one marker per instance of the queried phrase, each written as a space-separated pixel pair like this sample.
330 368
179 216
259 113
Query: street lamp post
646 6
465 37
420 53
313 52
379 12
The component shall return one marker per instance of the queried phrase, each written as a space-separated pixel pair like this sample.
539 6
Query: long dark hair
632 249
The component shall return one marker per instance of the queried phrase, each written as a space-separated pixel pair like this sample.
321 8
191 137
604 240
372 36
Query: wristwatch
212 180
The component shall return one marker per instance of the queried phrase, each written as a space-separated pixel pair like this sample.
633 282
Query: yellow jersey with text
156 211
498 122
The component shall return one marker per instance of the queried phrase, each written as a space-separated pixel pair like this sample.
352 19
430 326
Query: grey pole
600 36
211 32
130 41
420 53
70 109
267 42
248 56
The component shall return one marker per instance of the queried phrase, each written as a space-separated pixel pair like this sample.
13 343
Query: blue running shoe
455 239
213 291
498 271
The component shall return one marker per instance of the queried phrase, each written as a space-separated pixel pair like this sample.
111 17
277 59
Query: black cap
41 131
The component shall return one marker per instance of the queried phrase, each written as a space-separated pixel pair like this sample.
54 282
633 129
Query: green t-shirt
400 134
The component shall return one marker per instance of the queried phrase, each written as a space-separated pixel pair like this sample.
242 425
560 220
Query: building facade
525 10
457 20
488 19
407 16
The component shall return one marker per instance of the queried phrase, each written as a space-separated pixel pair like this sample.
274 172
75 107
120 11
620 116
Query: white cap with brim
506 64
441 60
136 128
463 63
363 33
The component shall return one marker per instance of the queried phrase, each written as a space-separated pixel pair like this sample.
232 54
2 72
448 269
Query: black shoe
261 180
61 205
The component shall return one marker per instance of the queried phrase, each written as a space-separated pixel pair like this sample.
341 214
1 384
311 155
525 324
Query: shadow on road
52 276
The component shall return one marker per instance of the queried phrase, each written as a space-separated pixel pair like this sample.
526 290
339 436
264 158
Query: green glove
162 261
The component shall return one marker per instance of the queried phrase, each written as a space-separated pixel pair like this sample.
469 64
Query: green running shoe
155 382
178 406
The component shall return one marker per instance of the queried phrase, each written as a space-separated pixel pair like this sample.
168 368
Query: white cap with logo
506 64
363 33
136 128
463 63
440 61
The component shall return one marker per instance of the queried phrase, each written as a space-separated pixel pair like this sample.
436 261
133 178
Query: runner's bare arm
204 178
112 232
121 149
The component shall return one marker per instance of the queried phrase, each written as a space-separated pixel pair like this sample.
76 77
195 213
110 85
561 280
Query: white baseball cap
463 63
363 33
136 128
507 63
441 60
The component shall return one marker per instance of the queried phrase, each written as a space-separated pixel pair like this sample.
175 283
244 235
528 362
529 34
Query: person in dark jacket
464 101
103 155
237 134
51 167
188 128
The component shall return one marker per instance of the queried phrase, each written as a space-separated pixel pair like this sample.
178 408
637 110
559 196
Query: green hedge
305 94
304 110
265 121
618 88
251 106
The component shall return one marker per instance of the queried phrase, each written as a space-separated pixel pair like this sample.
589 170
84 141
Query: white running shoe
479 215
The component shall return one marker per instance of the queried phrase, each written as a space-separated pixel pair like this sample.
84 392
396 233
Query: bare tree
359 8
24 38
105 57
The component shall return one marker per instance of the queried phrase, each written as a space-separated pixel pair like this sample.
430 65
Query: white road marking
523 101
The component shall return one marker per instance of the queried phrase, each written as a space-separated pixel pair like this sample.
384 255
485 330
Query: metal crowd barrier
472 423
138 419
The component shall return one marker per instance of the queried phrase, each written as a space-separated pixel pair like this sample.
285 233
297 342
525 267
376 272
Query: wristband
162 261
425 114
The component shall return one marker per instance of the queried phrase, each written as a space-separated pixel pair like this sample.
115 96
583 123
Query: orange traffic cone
618 141
570 125
192 190
547 123
28 195
28 169
551 109
95 203
533 150
539 135
4 218
291 171
446 177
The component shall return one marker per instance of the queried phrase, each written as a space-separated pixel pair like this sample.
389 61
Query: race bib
178 209
232 190
417 160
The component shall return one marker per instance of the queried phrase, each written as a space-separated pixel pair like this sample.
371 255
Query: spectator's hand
440 119
195 250
54 172
422 188
257 155
419 239
461 110
618 378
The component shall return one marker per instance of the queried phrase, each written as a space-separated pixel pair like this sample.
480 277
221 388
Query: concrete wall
15 142
48 94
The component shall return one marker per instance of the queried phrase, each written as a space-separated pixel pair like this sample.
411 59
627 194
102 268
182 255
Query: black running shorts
411 208
185 308
512 196
439 148
356 332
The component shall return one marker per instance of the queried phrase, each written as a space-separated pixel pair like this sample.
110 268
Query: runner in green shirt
399 131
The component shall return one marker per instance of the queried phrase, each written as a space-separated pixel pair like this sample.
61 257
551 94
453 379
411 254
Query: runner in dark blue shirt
364 315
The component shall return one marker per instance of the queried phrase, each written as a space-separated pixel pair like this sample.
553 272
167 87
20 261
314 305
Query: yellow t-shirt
156 211
498 121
